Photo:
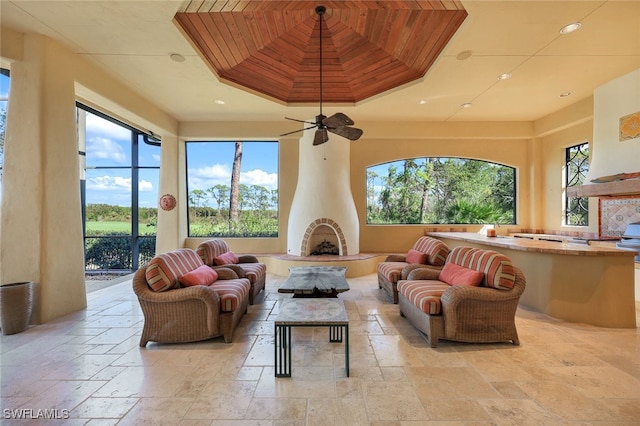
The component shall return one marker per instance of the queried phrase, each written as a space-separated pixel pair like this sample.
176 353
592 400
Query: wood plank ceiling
273 47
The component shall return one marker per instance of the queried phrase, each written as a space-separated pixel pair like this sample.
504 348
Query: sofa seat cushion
425 294
254 271
164 270
497 268
231 292
392 271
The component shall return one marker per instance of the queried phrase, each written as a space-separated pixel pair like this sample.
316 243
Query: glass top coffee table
315 281
323 312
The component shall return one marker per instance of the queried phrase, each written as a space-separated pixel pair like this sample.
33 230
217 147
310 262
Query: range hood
621 187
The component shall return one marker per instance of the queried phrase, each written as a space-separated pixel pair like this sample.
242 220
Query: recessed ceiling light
466 105
422 101
504 76
176 57
465 54
565 94
570 28
219 101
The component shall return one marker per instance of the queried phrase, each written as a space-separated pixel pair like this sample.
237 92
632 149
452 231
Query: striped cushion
391 270
254 271
164 270
425 294
436 250
497 268
231 292
211 249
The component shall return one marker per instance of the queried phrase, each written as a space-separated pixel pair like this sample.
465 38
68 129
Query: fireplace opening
322 239
325 247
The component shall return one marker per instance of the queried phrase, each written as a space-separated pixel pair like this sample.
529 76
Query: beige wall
40 219
41 196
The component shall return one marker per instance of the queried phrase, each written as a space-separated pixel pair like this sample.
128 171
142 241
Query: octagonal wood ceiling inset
273 47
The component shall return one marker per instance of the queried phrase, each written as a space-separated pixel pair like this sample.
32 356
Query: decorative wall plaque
630 127
167 202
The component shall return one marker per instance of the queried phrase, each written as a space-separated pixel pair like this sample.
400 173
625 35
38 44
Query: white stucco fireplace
323 209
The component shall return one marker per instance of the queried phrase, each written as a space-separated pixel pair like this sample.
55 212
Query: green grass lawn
94 228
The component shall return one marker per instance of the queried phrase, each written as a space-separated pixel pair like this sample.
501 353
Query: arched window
434 190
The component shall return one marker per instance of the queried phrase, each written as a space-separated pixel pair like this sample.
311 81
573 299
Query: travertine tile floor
88 367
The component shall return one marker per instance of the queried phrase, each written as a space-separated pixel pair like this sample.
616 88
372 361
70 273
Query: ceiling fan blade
299 130
337 120
320 137
299 121
351 133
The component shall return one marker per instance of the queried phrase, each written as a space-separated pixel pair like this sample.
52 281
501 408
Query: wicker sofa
217 253
182 301
472 299
427 252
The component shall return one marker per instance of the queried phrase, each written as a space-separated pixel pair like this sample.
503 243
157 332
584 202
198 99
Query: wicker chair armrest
396 258
199 292
414 266
225 273
422 273
247 258
234 267
456 294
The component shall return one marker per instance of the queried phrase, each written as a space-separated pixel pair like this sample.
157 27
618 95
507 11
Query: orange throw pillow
453 274
202 275
415 256
226 258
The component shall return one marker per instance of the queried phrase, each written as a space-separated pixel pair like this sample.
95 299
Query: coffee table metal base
308 313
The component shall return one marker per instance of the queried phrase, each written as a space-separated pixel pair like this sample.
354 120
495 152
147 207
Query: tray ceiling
273 48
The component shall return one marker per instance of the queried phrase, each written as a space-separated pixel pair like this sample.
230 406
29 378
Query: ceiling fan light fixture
338 123
504 76
423 101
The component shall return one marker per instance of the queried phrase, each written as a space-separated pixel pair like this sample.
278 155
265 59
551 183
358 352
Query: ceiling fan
338 123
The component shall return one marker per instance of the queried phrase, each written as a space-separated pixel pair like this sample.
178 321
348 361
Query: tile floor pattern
88 366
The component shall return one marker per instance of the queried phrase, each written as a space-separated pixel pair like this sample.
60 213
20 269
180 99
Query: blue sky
209 164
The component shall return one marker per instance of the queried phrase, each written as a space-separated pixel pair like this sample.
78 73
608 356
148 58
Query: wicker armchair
247 265
397 266
186 314
467 314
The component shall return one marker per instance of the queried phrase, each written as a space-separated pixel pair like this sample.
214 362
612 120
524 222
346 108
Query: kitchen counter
572 281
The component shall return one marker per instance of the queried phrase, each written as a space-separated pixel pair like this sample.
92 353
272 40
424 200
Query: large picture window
441 190
120 171
232 188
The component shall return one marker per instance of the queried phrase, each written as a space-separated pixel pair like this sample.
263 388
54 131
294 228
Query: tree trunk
235 187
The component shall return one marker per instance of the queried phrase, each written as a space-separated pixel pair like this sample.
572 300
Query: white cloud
206 177
260 177
106 128
106 149
145 186
109 183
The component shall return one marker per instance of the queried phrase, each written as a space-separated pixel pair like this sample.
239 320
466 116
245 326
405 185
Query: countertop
534 245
